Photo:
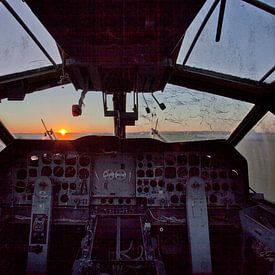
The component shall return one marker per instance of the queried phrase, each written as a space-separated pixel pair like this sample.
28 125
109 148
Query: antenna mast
48 133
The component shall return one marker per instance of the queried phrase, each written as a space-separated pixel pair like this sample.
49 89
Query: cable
166 219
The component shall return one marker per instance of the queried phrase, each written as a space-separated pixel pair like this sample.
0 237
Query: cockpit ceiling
117 46
108 33
55 16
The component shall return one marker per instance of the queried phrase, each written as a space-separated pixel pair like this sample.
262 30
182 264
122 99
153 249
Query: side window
258 147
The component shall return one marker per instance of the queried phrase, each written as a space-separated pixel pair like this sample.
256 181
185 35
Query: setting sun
63 132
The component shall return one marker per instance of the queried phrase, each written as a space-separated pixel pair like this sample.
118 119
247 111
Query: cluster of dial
69 174
162 178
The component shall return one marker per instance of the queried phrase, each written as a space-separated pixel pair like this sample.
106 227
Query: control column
197 224
40 226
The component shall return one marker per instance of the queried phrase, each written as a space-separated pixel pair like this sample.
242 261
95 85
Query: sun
63 132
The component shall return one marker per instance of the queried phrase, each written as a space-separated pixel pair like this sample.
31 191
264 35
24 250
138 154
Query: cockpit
177 178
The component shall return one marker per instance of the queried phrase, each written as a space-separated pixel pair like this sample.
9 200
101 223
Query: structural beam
261 5
16 86
252 118
224 85
5 136
268 74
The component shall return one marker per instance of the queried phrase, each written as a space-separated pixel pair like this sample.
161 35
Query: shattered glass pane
192 115
246 45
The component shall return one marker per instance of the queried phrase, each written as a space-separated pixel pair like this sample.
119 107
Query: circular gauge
21 174
128 201
149 173
153 183
65 185
181 159
46 171
170 187
83 173
161 183
46 158
72 186
64 198
33 160
146 189
140 173
120 175
146 182
174 199
84 160
182 172
170 159
58 158
158 172
213 199
120 201
108 175
20 186
70 172
70 159
58 171
170 172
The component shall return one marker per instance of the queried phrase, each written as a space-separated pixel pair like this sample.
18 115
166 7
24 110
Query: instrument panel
69 173
137 172
162 178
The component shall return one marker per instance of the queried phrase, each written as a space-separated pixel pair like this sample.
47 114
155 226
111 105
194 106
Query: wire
162 218
128 249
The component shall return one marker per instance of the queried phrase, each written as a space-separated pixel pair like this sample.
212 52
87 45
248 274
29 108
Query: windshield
244 50
189 115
